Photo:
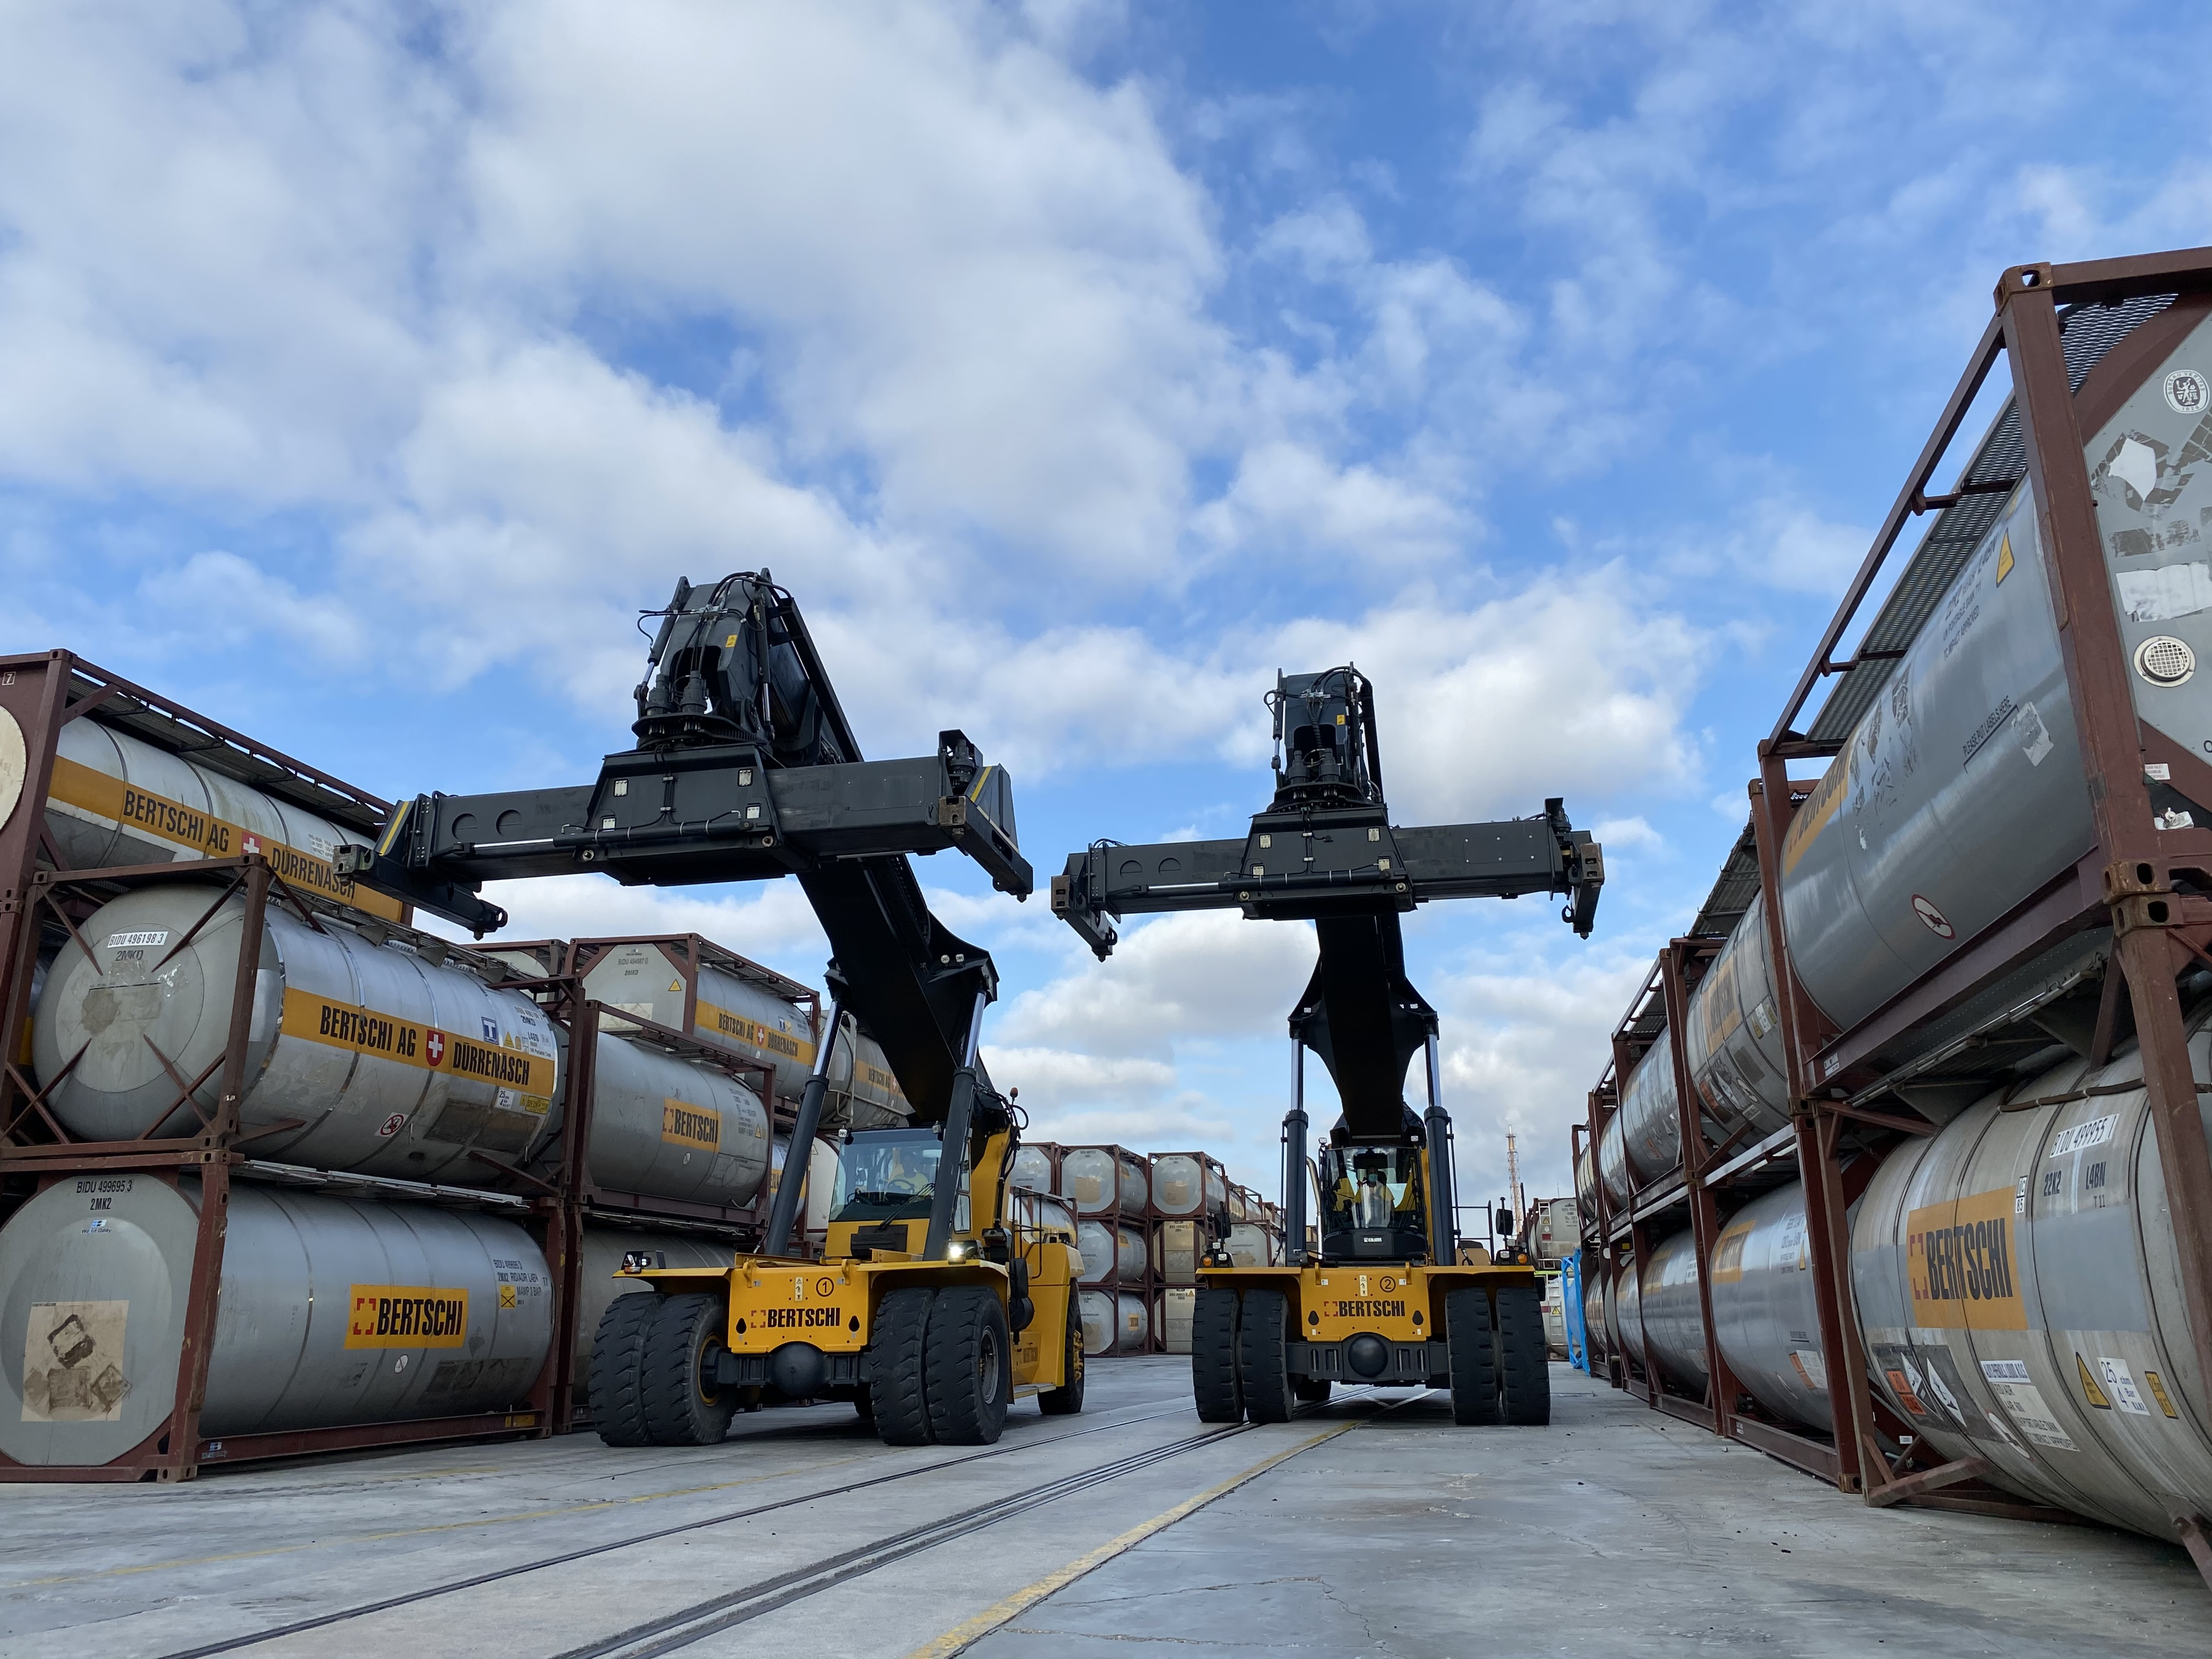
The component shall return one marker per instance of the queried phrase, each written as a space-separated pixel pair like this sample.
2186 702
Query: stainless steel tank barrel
663 1126
1732 1033
1765 1311
602 1253
1114 1322
1613 1161
115 800
1252 1245
863 1093
1585 1183
1662 1304
731 1013
331 1312
1111 1253
1178 1248
1186 1185
1032 1169
1959 793
1650 1116
2019 1292
386 1064
1597 1295
1177 1308
1097 1177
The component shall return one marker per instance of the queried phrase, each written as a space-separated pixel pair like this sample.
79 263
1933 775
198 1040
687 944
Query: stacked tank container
251 1077
371 1181
1187 1189
1109 1187
1947 1196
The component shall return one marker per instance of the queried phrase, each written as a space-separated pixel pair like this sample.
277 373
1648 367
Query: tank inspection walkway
1369 1527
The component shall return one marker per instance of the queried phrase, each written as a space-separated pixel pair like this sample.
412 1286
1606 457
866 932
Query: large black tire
1470 1349
970 1364
684 1405
1263 1359
1213 1355
1066 1399
895 1366
1524 1369
1311 1390
617 1378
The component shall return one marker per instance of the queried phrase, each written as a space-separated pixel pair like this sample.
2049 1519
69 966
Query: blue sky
1078 364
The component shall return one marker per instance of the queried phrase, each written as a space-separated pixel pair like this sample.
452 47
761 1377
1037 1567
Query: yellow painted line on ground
419 1532
960 1637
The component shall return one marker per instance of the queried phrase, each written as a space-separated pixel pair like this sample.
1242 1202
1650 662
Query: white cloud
1202 973
770 923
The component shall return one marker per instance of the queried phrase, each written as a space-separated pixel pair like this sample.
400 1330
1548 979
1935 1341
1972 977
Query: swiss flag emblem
252 844
433 1047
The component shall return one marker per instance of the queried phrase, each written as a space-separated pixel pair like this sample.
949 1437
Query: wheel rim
709 1352
986 1369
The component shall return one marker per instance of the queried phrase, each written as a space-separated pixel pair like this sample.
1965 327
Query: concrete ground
1614 1530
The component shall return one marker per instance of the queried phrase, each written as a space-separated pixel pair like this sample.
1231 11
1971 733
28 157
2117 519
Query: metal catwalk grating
1732 892
2088 331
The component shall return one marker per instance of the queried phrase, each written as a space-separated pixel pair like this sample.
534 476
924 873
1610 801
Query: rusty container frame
42 693
2126 881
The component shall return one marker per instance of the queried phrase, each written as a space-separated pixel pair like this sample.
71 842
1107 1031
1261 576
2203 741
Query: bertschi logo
683 1124
407 1316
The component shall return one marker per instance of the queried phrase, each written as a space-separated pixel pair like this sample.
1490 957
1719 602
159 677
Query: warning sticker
2090 1391
2158 1393
1958 1258
1809 1366
2024 1403
73 1361
407 1316
2122 1383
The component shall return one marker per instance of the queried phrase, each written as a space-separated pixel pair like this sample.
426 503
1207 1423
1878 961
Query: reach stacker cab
943 1294
1382 1300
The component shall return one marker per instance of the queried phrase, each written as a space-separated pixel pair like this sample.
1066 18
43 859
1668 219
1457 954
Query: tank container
2018 1293
1097 1178
1586 1181
1114 1253
597 1286
1959 793
1114 1322
639 979
1033 1171
1766 1314
1558 1228
821 1178
1177 1307
663 1126
1732 1034
115 801
1184 1184
1650 1119
1661 1304
329 1312
863 1092
1178 1248
1251 1245
1597 1277
1613 1162
388 1065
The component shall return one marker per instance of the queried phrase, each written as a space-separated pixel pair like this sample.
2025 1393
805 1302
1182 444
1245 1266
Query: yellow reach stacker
942 1297
1382 1300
